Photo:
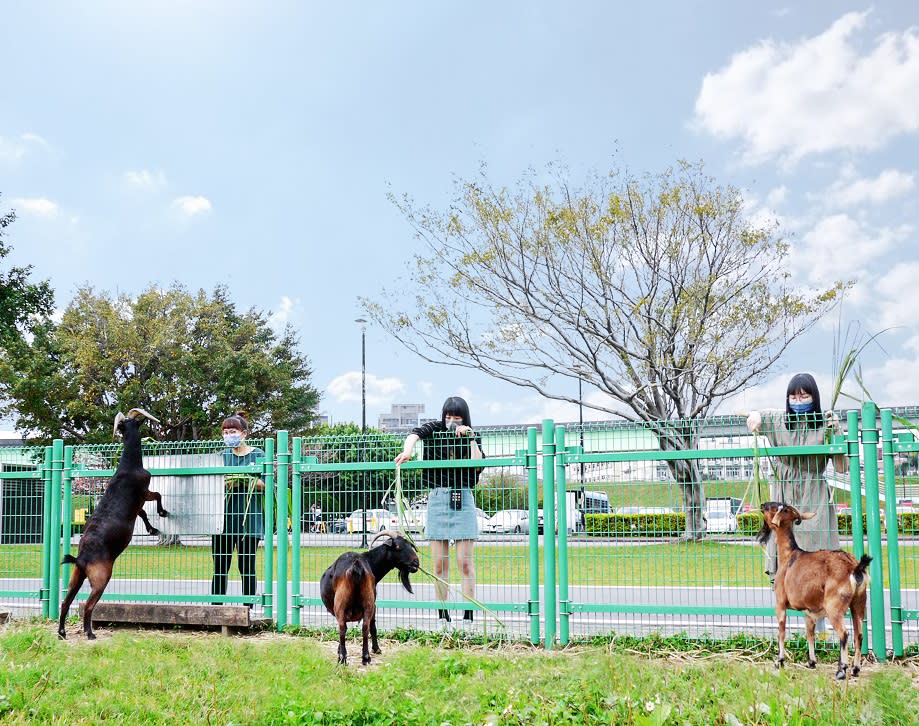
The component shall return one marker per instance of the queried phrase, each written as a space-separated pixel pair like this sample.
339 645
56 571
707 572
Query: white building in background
402 417
11 438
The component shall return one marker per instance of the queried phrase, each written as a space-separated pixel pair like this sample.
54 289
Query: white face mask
232 440
451 424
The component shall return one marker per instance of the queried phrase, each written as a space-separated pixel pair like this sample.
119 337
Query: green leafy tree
657 291
341 492
22 302
189 359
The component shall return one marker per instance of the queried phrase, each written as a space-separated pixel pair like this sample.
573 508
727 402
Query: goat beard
403 577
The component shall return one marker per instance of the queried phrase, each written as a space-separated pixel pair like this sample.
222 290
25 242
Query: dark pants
222 546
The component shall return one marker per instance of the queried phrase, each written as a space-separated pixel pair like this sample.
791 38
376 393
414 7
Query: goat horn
385 533
135 412
807 515
119 417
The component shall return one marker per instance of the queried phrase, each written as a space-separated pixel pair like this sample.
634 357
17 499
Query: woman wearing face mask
451 505
243 511
799 480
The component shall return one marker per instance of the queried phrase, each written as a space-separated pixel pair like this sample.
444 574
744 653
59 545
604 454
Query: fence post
548 495
533 488
561 461
268 478
66 511
855 493
872 507
57 467
893 535
46 541
283 466
296 522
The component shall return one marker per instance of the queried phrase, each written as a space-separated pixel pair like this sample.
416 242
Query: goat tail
860 576
71 560
356 571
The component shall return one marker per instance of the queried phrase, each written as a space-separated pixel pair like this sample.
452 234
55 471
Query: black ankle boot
443 614
467 615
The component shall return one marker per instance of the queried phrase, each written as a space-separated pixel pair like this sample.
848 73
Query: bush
908 522
635 525
501 491
749 523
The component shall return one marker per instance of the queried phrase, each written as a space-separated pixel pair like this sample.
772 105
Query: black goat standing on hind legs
111 525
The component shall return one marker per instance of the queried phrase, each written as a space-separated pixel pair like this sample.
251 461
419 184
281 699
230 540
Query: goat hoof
855 671
154 531
780 663
812 664
365 661
90 636
841 674
342 661
377 651
62 635
162 513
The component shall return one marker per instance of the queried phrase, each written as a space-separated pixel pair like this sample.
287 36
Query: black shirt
441 444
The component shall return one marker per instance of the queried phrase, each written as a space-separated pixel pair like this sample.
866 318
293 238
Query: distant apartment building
402 417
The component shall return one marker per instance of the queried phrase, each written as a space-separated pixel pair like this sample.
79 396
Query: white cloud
777 196
896 307
840 248
380 391
281 315
190 206
39 207
147 180
13 150
848 191
817 95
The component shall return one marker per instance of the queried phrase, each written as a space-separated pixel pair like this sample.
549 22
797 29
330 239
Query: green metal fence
585 530
25 507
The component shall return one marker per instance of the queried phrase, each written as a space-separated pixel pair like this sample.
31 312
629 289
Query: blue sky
254 144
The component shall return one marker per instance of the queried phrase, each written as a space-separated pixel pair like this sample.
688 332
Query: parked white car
481 519
377 520
508 520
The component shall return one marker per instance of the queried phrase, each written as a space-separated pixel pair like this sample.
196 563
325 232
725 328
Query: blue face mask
801 407
232 440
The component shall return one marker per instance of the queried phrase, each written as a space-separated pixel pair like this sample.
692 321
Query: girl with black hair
243 511
451 504
799 480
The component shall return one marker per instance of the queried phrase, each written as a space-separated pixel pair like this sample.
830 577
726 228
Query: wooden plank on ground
171 614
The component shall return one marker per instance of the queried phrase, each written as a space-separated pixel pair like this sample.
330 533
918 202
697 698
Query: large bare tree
656 290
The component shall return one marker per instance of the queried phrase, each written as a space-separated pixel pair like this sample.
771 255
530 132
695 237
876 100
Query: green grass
706 563
177 678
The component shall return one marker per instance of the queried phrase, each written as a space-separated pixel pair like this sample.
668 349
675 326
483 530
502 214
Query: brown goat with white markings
111 526
825 583
349 586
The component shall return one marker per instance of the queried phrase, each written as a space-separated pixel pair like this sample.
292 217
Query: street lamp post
363 324
581 422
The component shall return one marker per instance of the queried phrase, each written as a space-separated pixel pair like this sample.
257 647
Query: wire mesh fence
579 531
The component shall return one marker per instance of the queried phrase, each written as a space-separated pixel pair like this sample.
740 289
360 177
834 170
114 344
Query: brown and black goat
824 583
349 587
109 529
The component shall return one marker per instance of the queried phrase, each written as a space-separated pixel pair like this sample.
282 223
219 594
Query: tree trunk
682 436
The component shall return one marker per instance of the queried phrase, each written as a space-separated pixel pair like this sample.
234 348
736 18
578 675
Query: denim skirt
446 523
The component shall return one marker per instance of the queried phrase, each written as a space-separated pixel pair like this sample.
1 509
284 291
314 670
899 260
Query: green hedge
635 525
748 524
